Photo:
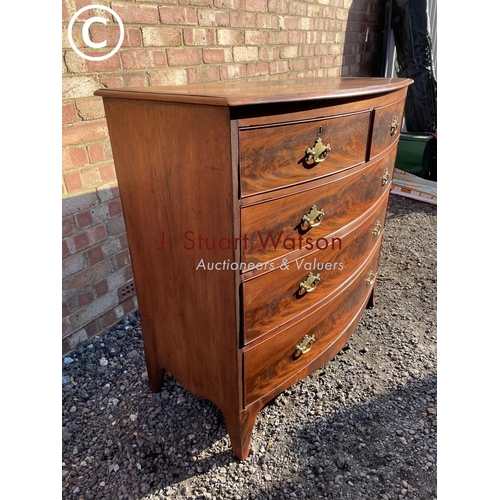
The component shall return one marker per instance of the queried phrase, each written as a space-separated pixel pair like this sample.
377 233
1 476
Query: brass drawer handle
377 228
318 152
309 284
305 345
385 177
312 219
394 125
370 279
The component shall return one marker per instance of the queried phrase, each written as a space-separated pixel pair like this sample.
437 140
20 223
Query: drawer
271 363
274 229
273 299
386 126
275 156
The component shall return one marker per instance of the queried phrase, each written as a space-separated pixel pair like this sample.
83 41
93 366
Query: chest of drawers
254 213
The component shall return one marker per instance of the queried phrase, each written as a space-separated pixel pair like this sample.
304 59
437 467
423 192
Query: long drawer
273 299
272 362
277 155
292 225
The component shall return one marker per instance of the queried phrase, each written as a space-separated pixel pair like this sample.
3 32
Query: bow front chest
254 214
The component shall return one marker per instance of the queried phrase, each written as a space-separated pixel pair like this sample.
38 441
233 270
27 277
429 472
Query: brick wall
173 42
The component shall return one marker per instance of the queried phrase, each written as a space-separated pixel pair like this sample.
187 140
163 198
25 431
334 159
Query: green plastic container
417 154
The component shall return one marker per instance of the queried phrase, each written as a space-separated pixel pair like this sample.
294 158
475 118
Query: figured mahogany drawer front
387 126
275 156
274 361
277 297
277 229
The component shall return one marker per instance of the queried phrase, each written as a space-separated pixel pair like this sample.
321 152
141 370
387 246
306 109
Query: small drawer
277 155
271 363
280 228
275 298
386 126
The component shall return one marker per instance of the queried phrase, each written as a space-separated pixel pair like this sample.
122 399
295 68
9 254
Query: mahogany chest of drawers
254 213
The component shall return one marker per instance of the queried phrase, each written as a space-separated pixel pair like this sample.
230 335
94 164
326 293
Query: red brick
96 152
101 288
136 14
74 158
86 239
80 241
83 219
320 50
115 208
215 56
184 57
123 240
68 227
278 67
65 310
110 64
107 172
198 36
320 24
278 37
128 305
131 37
69 113
65 11
268 53
268 21
109 318
313 63
178 15
73 181
65 249
197 3
258 69
85 298
129 273
306 51
296 64
256 5
139 59
83 132
278 6
94 255
122 259
290 23
243 20
87 14
299 9
327 62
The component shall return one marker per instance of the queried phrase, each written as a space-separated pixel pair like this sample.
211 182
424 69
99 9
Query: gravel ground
362 427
